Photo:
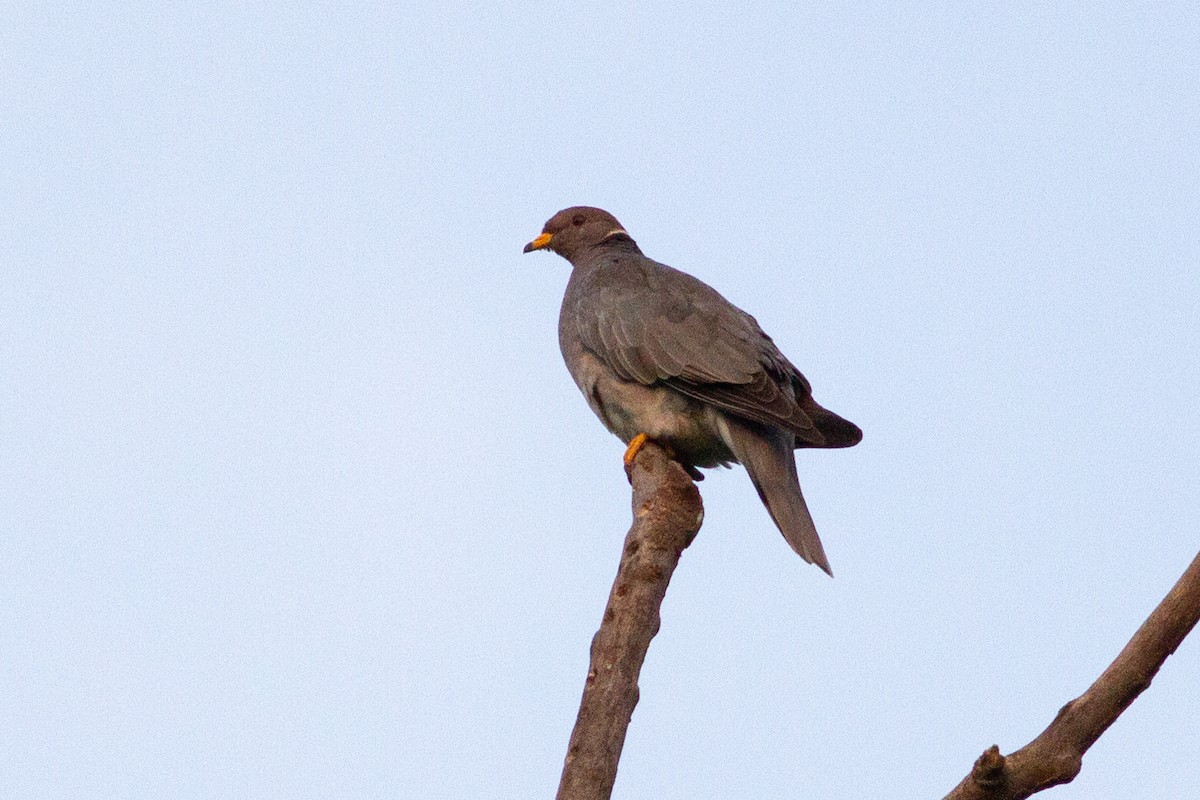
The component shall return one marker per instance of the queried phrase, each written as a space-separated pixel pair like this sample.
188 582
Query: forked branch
1056 755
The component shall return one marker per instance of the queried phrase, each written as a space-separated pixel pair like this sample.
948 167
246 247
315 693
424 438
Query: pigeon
660 355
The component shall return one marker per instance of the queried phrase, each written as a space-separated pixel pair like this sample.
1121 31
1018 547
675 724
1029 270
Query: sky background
298 500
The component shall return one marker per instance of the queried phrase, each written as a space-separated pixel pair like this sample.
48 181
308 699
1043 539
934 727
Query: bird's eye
577 220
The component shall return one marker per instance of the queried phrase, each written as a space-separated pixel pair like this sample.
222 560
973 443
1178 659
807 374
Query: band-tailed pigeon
658 354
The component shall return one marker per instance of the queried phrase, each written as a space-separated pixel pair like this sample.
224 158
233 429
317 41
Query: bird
660 355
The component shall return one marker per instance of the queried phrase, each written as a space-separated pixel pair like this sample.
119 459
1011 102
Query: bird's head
573 231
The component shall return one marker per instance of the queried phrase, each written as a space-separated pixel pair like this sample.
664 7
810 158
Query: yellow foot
631 452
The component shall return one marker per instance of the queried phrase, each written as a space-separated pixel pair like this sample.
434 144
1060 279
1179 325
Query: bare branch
1056 755
667 513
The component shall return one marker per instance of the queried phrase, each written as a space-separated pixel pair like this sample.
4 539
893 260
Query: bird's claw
635 444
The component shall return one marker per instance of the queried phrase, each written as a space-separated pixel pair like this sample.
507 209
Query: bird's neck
613 247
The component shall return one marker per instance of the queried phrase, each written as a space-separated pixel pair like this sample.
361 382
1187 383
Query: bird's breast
628 408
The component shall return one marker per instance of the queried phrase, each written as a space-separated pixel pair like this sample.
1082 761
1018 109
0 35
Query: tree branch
1056 756
667 513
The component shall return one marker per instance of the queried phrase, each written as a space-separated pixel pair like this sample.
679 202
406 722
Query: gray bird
661 355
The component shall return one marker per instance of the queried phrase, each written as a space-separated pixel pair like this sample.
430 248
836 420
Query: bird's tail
767 456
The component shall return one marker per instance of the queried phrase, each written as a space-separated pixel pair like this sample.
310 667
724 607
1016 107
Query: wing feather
651 323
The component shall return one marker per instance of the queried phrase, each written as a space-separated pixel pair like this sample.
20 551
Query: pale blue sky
297 499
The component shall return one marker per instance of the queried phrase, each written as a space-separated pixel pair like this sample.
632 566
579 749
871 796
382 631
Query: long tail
767 456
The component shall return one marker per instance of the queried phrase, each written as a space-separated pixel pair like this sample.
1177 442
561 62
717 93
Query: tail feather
767 456
837 431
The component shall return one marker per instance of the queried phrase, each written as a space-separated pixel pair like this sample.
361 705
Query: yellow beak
537 244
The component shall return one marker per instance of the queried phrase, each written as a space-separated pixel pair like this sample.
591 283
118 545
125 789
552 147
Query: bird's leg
635 444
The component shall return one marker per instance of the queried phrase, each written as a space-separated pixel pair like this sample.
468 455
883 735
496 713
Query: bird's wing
661 325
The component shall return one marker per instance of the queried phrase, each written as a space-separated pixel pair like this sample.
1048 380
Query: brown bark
667 513
1056 755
